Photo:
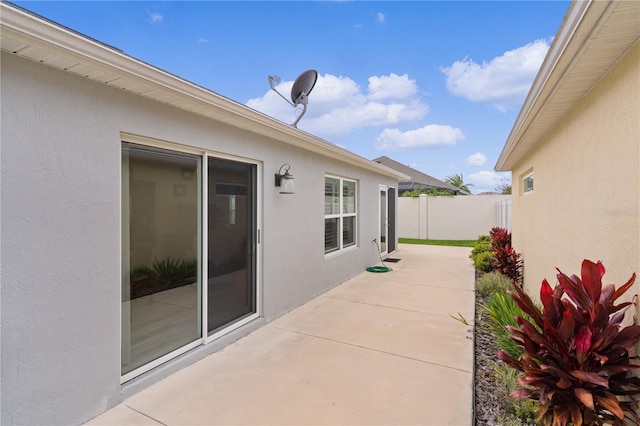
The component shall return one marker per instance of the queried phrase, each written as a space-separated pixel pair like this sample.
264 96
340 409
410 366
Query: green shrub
482 255
483 238
519 413
433 192
492 282
480 246
414 193
483 260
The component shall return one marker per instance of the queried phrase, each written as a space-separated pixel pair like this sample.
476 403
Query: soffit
581 54
32 37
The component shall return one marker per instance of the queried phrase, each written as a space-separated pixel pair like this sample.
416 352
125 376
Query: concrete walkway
378 349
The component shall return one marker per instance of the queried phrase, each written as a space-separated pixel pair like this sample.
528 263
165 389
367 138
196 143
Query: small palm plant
457 181
577 359
170 271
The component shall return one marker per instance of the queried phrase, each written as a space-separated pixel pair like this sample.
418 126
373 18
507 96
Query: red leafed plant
577 360
506 260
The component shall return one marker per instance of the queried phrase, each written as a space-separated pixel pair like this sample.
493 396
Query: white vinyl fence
462 217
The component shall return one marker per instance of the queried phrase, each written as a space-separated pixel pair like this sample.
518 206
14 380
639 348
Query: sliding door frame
258 243
204 156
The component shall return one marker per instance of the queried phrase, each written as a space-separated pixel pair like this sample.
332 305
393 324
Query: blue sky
434 85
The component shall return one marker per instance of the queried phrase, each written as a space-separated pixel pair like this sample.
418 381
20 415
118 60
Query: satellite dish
299 91
303 86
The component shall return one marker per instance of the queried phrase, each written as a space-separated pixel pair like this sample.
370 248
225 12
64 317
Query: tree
504 188
458 181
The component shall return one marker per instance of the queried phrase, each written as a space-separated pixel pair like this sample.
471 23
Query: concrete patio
378 349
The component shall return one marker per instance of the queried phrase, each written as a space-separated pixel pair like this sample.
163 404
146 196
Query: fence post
423 217
504 213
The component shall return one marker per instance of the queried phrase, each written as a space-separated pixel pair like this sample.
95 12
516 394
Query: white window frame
341 215
525 189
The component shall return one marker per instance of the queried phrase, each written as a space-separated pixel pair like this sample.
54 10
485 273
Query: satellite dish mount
299 91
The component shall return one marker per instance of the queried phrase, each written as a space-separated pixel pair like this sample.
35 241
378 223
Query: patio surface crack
411 283
146 415
373 349
388 307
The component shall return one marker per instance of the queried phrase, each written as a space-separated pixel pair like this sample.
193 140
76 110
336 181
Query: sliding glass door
184 214
383 220
387 219
160 256
231 254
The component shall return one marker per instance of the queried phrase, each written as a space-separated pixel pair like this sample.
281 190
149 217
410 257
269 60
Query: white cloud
203 41
486 180
155 17
429 135
477 159
391 86
380 18
504 81
338 105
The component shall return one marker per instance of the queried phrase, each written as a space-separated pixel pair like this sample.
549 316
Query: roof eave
19 26
534 100
593 37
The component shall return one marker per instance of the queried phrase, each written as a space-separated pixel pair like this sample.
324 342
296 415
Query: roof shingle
417 179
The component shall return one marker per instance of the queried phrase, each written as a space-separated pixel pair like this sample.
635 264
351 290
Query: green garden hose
379 269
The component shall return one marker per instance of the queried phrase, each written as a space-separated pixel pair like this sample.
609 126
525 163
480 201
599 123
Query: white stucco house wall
574 150
111 170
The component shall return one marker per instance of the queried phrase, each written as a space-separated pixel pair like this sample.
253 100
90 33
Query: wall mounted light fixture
285 181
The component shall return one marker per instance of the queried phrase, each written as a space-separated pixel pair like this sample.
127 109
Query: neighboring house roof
592 38
30 36
416 179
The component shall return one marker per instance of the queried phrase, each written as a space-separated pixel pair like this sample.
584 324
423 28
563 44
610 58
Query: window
339 213
527 183
227 193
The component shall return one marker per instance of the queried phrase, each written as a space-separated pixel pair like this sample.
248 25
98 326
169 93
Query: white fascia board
34 30
546 80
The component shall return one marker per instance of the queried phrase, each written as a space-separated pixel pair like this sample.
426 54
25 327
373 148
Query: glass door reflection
231 246
160 217
383 221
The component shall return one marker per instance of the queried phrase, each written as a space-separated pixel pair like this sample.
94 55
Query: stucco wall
449 218
60 179
585 200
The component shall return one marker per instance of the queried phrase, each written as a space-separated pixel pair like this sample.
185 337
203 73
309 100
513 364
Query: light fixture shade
287 186
285 181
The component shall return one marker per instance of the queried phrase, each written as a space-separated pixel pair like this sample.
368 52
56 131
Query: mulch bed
488 403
